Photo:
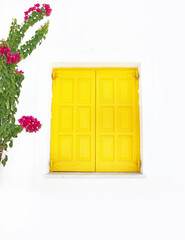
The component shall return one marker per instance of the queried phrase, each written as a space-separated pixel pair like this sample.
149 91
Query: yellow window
95 120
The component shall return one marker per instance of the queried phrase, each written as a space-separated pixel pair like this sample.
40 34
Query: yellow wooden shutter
117 120
111 143
73 120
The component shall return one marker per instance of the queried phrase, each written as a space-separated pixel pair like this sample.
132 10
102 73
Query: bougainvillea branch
11 53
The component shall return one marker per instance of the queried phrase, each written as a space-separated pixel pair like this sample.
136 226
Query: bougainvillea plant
12 51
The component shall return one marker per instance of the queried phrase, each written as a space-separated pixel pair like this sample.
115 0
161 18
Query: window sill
93 175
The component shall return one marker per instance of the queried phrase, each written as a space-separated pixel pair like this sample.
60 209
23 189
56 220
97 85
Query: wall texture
33 206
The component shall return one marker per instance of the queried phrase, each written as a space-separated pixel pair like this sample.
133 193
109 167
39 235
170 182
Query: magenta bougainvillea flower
48 9
37 5
37 8
30 123
10 58
17 71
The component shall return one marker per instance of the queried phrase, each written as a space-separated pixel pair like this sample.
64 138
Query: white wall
35 207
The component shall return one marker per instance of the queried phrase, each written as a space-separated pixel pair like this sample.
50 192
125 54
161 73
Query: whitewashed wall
33 206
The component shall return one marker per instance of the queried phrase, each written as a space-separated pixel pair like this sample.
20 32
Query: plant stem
1 153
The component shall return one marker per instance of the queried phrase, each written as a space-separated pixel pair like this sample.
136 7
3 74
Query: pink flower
26 18
9 60
37 5
30 123
31 9
15 58
38 10
1 51
17 71
48 9
8 54
46 5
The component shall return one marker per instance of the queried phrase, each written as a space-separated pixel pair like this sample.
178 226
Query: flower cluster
17 71
11 58
48 9
31 9
30 123
38 9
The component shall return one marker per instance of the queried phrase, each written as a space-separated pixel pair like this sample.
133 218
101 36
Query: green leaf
7 104
5 146
11 144
4 160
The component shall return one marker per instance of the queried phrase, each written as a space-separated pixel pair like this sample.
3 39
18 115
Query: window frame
42 169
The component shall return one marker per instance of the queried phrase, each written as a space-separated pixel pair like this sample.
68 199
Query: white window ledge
93 175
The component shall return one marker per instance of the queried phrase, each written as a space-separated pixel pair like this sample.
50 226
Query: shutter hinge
54 74
137 75
51 165
139 162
